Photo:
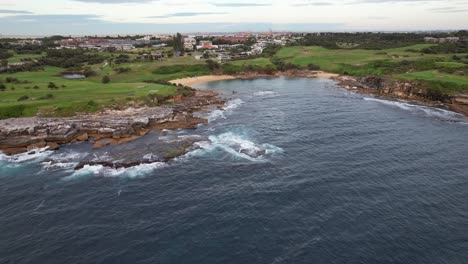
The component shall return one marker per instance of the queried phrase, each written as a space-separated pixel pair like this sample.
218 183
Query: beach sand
190 81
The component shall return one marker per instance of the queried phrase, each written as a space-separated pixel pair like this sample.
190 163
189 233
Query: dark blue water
294 171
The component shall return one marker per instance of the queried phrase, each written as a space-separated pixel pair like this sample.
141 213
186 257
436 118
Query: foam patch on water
62 161
265 93
236 145
31 156
228 107
102 171
421 109
233 104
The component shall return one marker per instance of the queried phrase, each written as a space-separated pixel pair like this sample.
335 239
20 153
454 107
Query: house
224 57
157 55
206 44
231 39
452 39
159 46
431 40
441 40
188 46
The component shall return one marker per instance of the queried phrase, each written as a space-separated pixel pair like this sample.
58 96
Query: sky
90 17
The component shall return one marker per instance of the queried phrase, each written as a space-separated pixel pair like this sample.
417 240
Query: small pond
74 76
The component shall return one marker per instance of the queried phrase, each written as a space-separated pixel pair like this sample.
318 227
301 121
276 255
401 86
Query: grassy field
82 95
434 75
91 94
386 62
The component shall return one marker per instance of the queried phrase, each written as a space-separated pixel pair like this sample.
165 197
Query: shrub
92 103
47 96
88 72
212 65
23 98
36 87
2 87
122 70
11 111
52 85
105 79
11 80
313 67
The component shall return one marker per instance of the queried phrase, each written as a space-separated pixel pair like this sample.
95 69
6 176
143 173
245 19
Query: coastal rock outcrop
105 128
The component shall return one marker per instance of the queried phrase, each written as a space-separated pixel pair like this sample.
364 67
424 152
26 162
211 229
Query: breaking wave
421 109
236 145
32 155
65 161
229 106
265 93
102 171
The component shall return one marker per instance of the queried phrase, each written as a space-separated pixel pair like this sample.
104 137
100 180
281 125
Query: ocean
290 171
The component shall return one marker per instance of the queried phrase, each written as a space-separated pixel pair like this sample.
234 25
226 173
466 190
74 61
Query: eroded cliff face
408 90
106 128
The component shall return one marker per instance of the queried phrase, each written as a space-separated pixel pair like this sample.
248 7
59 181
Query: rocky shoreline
381 87
114 127
110 127
405 90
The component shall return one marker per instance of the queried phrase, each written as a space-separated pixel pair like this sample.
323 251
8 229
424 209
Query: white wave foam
132 172
236 145
426 110
30 156
219 113
216 114
265 93
233 104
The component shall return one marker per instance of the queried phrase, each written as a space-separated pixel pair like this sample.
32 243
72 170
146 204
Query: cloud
6 11
238 4
313 4
391 1
116 1
45 19
188 14
378 17
448 10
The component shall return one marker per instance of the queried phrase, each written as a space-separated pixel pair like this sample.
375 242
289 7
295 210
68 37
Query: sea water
290 171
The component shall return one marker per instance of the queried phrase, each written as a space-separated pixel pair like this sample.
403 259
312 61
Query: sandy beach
327 75
190 81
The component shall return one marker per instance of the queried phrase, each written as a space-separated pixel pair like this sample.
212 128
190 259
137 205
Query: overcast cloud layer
35 17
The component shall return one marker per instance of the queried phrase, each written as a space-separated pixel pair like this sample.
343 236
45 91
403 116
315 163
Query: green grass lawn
434 75
257 62
19 57
362 62
90 94
76 94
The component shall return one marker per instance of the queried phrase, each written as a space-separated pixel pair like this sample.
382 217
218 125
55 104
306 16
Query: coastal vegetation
113 79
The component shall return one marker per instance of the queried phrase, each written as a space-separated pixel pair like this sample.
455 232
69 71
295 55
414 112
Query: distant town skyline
79 17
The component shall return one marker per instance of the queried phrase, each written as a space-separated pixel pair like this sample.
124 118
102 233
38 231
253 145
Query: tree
212 65
106 79
2 87
178 44
4 63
